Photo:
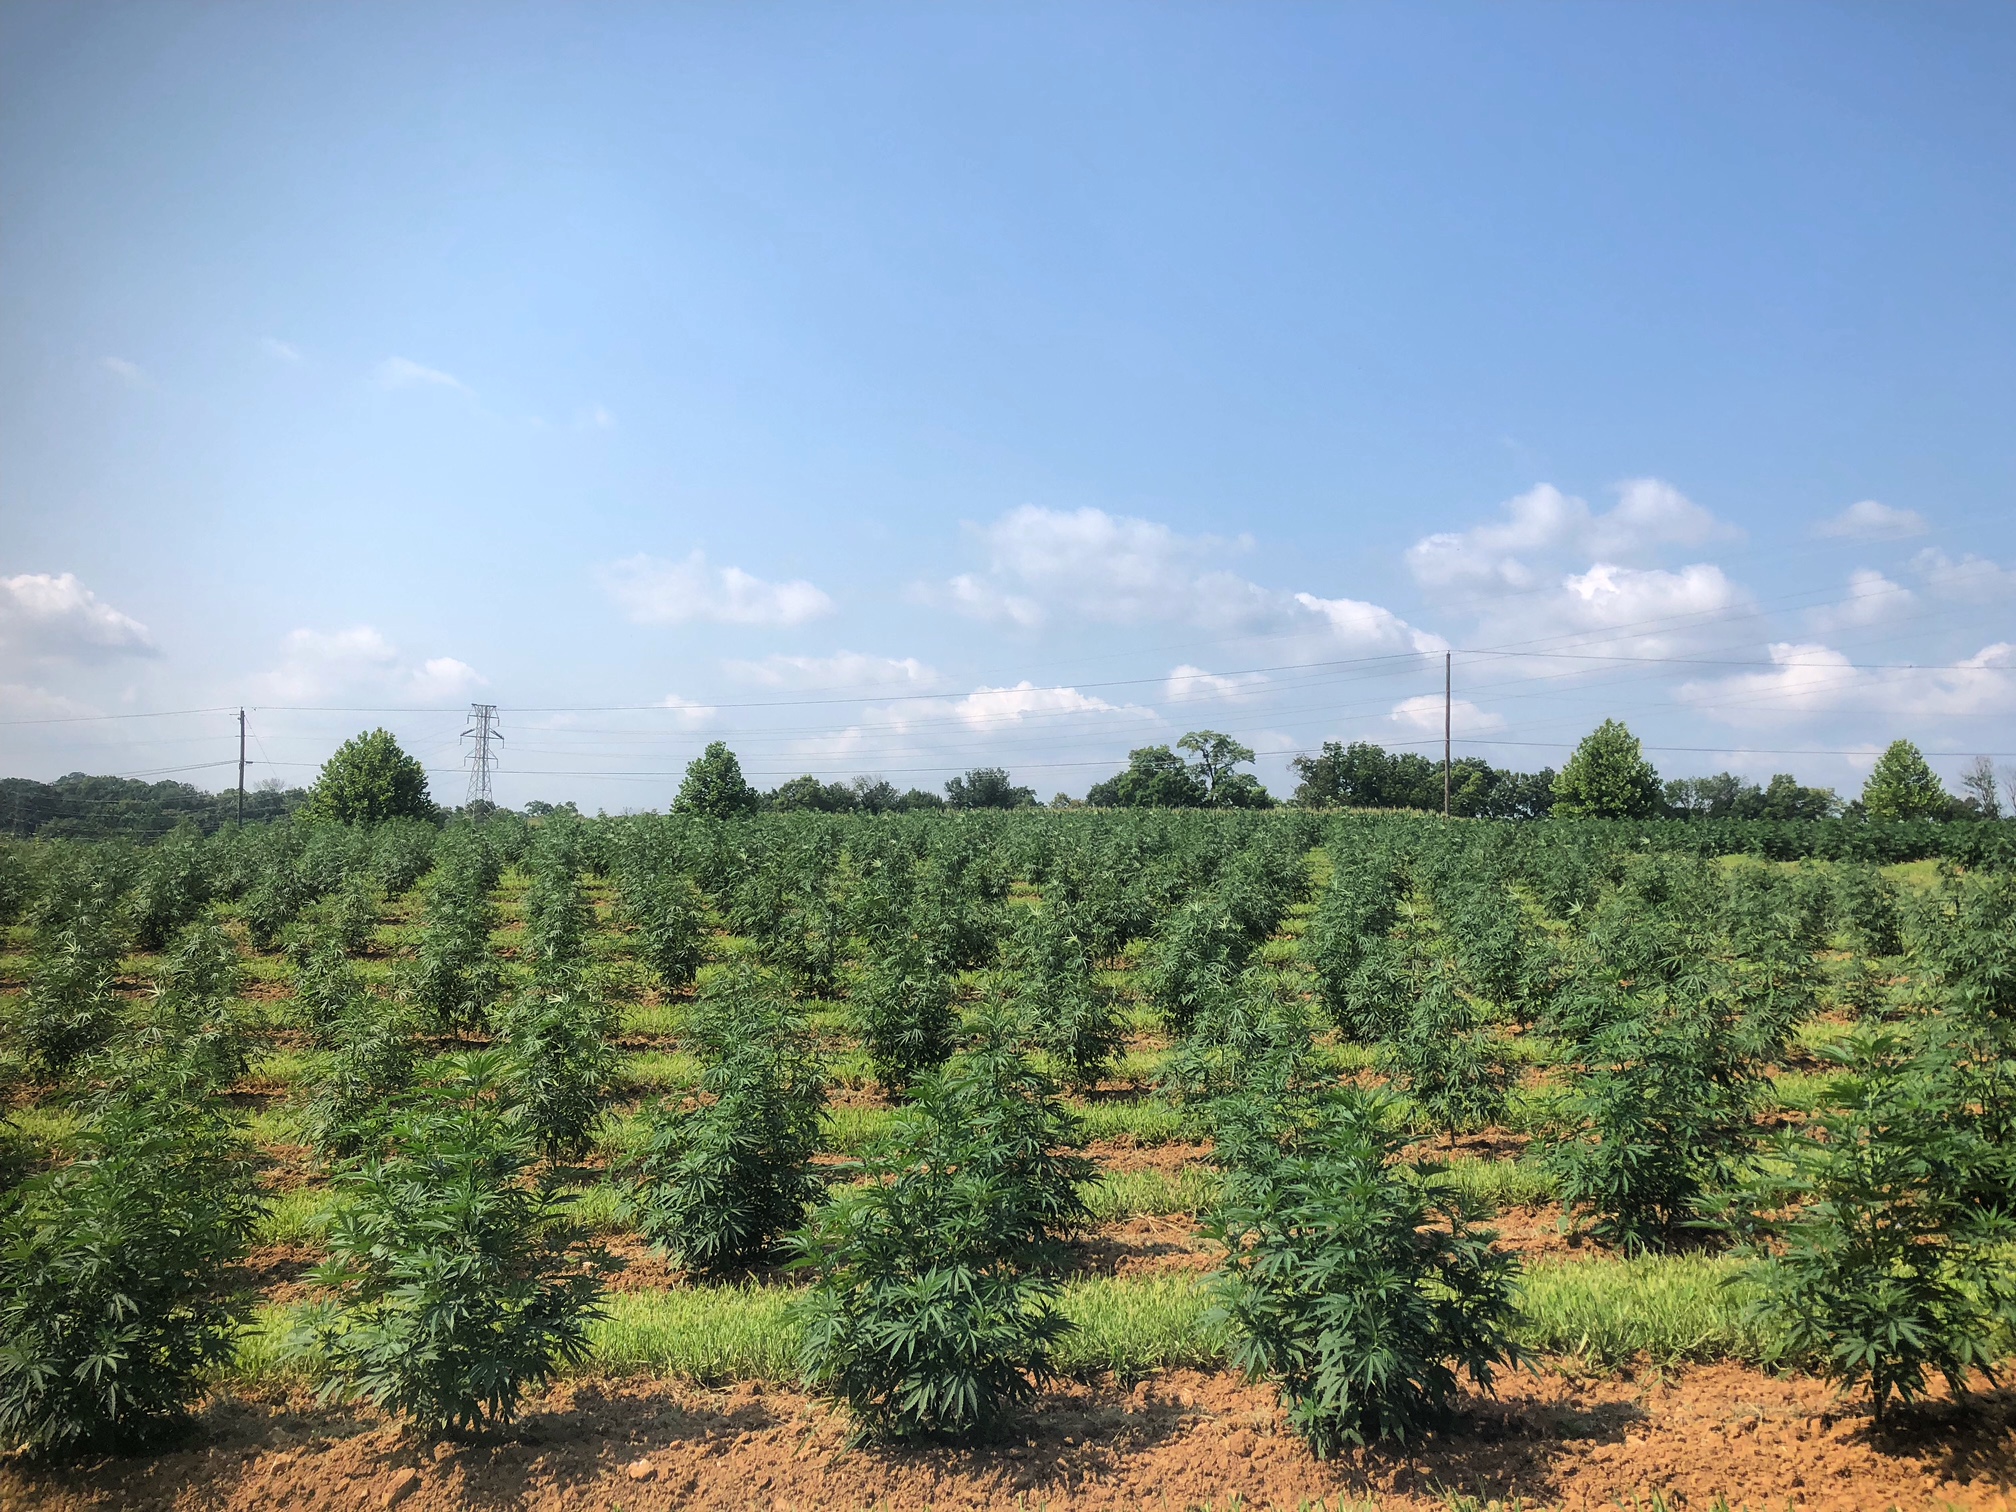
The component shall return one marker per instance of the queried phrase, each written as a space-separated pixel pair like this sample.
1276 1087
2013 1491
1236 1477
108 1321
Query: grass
1142 1121
1594 1312
657 1071
1130 1194
1502 1183
1667 1308
296 1217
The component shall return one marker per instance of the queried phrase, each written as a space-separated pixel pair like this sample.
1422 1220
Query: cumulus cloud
842 671
1187 684
1872 598
52 615
985 707
654 591
1088 565
126 372
1811 679
1368 627
318 664
1972 578
1423 713
1868 520
404 373
1545 526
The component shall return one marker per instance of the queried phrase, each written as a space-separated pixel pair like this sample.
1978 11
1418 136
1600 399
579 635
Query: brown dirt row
1181 1441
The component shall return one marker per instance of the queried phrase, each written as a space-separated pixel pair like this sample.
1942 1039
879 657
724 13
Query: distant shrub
1352 1281
192 1020
666 911
1071 1016
457 978
905 1012
1446 1058
1200 943
113 1294
1883 1266
1655 1119
459 1285
932 1313
172 888
723 1177
71 1007
353 1097
561 1062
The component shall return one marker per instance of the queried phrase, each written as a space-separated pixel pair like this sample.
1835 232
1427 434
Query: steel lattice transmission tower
482 760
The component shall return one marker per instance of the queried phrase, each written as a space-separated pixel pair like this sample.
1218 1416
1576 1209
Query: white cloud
1871 521
1544 525
282 351
688 714
444 677
987 706
654 591
1367 627
1642 611
46 614
1424 713
842 671
125 371
1872 598
1085 564
1807 680
318 664
403 372
1973 578
1187 684
597 418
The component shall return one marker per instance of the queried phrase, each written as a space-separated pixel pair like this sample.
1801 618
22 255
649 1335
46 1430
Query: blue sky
886 389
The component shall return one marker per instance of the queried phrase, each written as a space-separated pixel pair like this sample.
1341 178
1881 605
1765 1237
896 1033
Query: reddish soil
1118 1155
1180 1441
1144 1246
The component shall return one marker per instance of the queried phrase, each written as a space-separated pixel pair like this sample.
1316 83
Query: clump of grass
1141 1122
1666 1308
656 1071
1131 1194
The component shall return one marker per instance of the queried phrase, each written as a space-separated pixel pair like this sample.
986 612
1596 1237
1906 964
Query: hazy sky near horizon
895 388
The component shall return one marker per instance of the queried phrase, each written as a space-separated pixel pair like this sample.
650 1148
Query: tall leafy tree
1218 757
1902 786
1608 777
370 779
985 788
1156 777
715 786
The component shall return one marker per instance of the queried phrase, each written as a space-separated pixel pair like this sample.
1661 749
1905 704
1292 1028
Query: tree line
370 778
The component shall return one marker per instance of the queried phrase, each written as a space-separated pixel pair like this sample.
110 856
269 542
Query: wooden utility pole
1446 682
241 770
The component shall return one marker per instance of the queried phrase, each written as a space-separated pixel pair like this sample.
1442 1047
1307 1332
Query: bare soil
1180 1441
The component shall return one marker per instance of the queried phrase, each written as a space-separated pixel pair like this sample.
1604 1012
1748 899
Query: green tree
1156 777
1217 755
714 785
370 779
1608 777
1902 786
987 787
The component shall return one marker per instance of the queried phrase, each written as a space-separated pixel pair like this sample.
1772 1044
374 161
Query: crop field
1036 1159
